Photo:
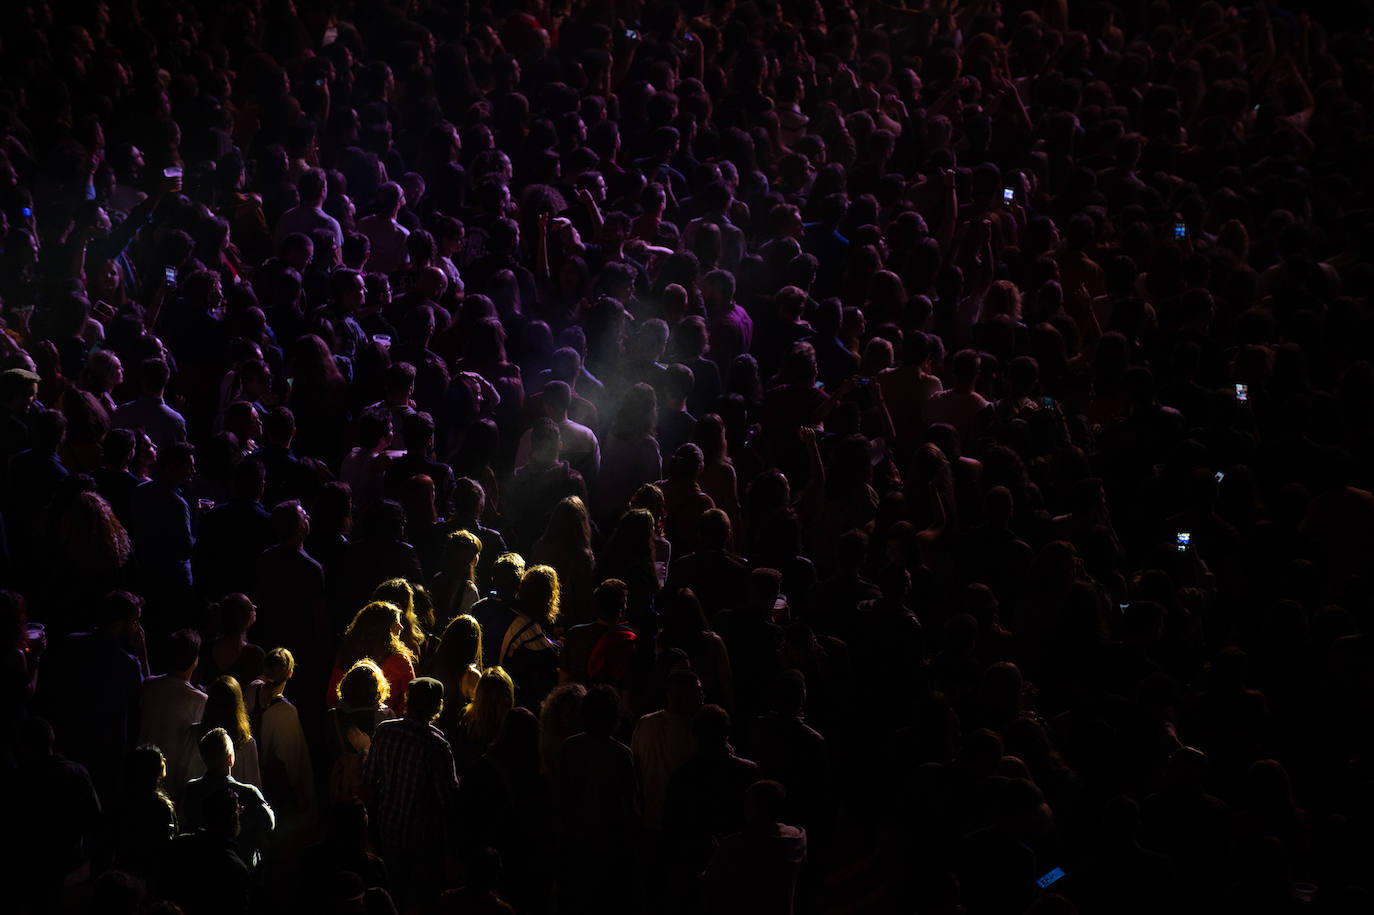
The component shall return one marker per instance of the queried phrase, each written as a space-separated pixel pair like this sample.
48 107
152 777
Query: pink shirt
388 240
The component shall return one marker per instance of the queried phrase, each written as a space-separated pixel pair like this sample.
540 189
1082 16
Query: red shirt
398 672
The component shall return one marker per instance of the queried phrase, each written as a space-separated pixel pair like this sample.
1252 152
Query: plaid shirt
410 769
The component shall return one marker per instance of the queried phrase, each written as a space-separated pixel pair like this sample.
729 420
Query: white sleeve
286 742
246 767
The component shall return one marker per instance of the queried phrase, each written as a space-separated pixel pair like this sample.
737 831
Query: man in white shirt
169 704
577 444
310 215
388 237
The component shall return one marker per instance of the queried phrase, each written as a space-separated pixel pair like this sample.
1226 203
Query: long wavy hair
459 649
92 537
364 686
315 371
538 594
417 612
494 697
570 526
631 544
684 621
709 436
369 635
559 718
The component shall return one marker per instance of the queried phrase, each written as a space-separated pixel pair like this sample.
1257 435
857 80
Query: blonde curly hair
538 594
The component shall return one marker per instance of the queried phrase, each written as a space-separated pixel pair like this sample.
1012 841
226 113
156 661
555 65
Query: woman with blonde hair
417 612
457 664
481 720
375 633
288 780
455 586
224 708
528 650
364 688
362 696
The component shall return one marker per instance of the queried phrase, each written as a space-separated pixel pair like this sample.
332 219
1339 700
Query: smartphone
818 385
319 82
1182 540
1008 196
172 171
28 212
1242 392
1180 230
1220 476
1123 607
865 380
631 34
1052 877
171 274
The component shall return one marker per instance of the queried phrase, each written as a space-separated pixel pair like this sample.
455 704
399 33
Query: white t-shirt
168 706
578 446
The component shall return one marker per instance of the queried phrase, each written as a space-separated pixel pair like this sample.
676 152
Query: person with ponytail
288 782
227 651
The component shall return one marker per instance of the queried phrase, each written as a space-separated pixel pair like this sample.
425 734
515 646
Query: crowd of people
767 456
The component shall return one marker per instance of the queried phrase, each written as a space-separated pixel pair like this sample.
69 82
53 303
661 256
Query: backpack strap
511 641
259 710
